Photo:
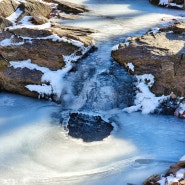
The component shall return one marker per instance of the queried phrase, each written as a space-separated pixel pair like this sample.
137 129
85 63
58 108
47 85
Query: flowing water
35 149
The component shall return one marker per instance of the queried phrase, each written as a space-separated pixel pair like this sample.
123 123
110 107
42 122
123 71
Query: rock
39 20
4 23
174 183
50 46
36 8
25 45
176 28
68 16
68 7
87 127
155 2
182 182
152 180
168 106
7 7
50 52
15 80
155 54
174 168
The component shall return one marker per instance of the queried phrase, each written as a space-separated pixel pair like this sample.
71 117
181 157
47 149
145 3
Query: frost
27 63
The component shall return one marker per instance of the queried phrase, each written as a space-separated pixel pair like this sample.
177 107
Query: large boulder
7 7
160 54
34 52
35 8
49 42
87 127
15 80
44 47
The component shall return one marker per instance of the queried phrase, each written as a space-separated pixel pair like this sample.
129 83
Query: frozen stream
35 149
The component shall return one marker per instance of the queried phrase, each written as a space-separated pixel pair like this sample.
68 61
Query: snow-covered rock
36 53
153 53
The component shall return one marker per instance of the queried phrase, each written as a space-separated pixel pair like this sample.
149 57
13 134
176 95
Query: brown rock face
160 54
4 23
35 8
27 42
45 46
7 7
15 80
33 44
70 7
50 46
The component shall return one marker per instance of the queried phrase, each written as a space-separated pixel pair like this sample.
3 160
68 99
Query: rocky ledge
35 51
160 54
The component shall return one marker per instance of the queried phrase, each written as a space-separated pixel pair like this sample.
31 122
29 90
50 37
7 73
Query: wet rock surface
88 128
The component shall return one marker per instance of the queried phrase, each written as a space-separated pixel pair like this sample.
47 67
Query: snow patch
52 80
145 100
27 64
171 178
74 57
154 30
130 66
166 2
182 158
115 48
13 17
9 41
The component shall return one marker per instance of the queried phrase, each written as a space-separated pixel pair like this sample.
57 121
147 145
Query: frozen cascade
36 150
97 83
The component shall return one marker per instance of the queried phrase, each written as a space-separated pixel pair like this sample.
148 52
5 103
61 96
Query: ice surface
39 151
